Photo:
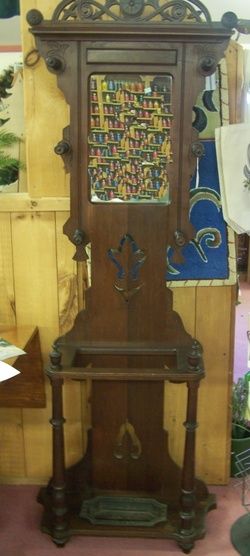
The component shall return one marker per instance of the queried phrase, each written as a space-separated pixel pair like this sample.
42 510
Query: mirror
129 140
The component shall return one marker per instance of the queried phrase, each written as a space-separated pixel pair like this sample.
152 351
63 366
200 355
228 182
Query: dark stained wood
128 339
28 388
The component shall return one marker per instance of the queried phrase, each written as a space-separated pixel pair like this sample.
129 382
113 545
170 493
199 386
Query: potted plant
9 166
240 422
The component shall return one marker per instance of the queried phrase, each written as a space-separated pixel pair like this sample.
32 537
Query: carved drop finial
194 356
55 358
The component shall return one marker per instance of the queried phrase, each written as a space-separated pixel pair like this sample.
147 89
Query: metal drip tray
123 511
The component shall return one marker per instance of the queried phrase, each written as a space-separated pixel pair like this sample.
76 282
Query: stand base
240 535
169 529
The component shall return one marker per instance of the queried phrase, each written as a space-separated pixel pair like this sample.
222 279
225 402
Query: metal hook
28 58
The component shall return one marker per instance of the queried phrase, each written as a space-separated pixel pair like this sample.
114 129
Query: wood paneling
35 271
7 296
23 202
176 394
12 455
214 331
235 72
67 277
68 309
34 254
46 113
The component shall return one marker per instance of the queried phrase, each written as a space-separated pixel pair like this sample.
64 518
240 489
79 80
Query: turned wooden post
187 501
59 508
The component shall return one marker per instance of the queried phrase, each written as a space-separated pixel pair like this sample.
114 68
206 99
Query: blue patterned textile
206 256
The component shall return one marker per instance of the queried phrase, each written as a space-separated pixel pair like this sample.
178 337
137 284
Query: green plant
9 166
240 425
6 78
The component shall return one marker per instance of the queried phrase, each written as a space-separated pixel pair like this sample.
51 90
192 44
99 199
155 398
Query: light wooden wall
41 285
38 286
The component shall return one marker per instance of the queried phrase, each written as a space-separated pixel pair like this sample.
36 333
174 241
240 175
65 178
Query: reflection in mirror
129 138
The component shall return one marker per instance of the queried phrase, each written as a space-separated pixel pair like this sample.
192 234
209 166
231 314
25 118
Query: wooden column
188 475
59 508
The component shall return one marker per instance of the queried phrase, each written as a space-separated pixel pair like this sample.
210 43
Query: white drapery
233 157
246 105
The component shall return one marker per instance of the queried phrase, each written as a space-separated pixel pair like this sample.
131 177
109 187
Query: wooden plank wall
39 288
41 285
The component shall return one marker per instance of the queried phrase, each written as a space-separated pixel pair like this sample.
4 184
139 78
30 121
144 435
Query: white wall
10 59
10 31
218 7
240 7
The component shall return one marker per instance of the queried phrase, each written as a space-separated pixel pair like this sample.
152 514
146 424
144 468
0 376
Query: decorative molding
124 511
128 268
171 12
55 60
134 449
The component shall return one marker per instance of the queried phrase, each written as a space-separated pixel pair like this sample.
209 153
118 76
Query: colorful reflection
130 138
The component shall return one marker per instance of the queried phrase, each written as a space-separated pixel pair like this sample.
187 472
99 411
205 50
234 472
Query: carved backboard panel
131 72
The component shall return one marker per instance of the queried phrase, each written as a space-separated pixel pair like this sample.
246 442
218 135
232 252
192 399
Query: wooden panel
215 325
123 56
35 267
176 394
38 440
22 202
67 276
27 388
235 71
68 309
12 462
7 298
43 103
34 255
